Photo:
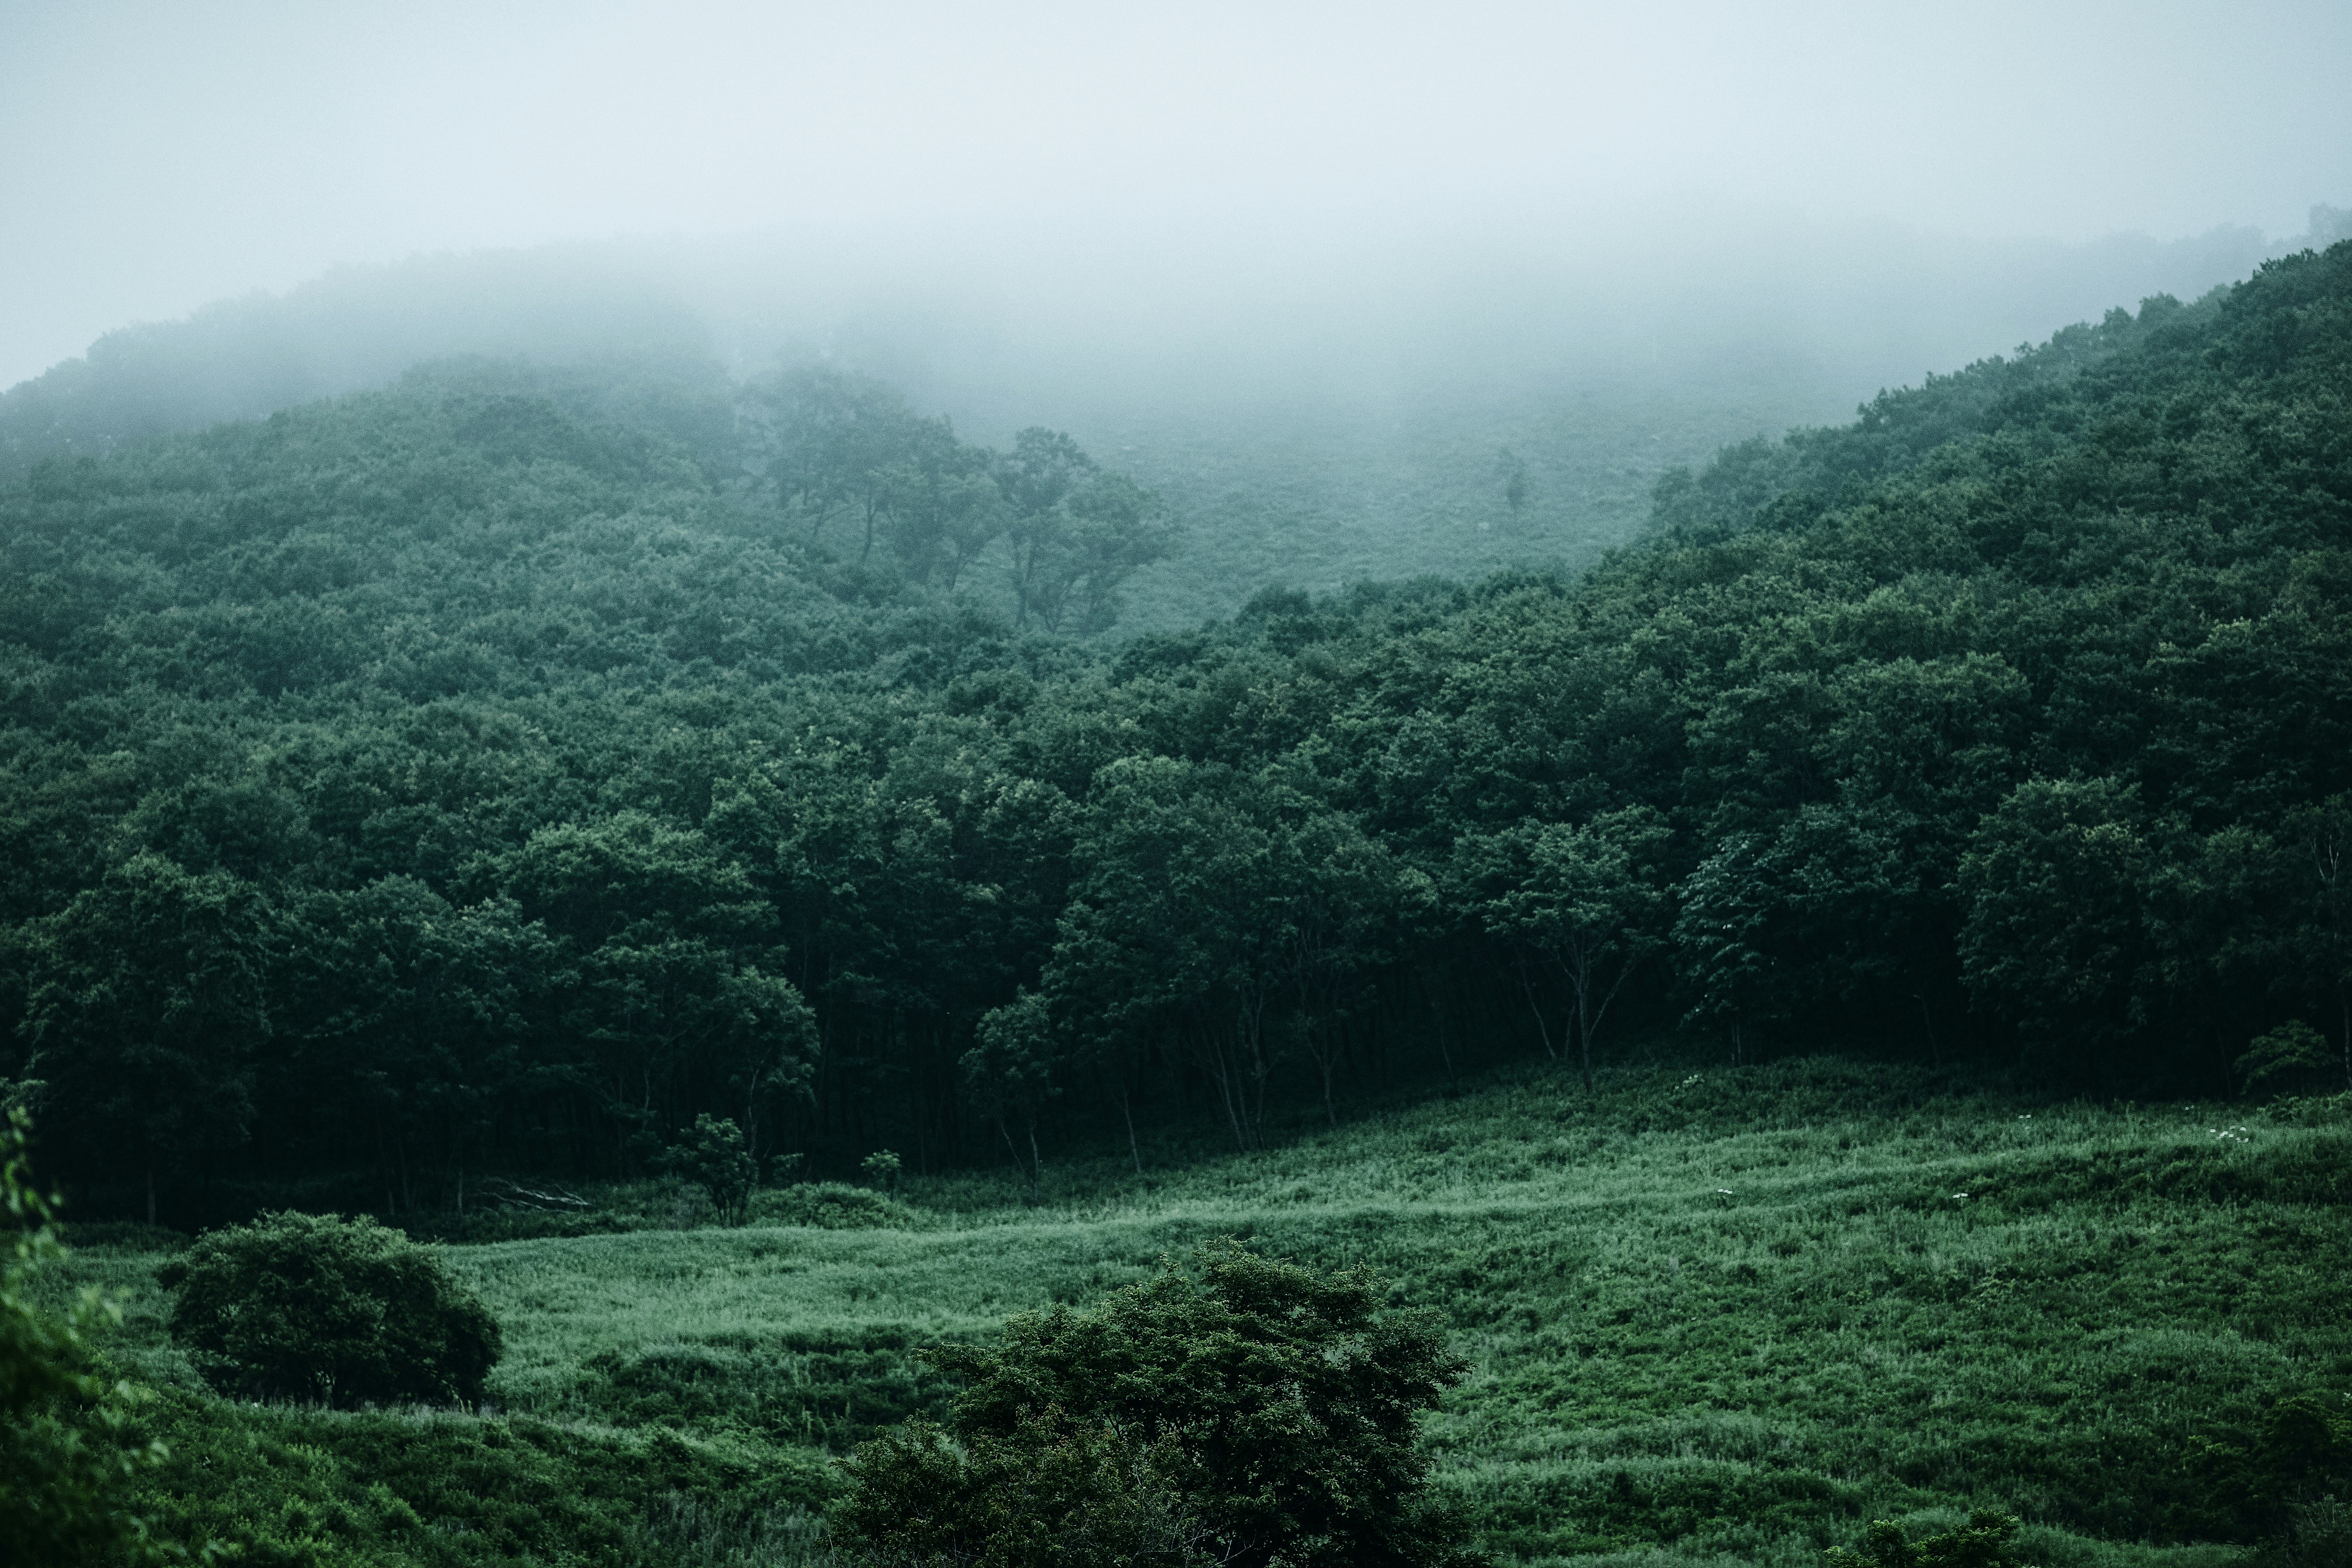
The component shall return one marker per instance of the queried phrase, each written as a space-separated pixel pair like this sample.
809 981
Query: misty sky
153 157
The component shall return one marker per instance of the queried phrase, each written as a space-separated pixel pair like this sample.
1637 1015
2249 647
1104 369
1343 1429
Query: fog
1305 269
153 157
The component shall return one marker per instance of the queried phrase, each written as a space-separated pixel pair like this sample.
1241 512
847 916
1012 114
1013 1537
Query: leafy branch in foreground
66 1449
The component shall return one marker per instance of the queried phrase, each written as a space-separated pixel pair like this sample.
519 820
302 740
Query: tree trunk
1527 984
2344 1001
1437 1024
151 1187
1128 1111
1220 1069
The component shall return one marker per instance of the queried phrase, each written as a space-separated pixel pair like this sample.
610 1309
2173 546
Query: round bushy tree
345 1312
1255 1414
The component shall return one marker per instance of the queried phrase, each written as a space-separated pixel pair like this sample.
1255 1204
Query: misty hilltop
1353 420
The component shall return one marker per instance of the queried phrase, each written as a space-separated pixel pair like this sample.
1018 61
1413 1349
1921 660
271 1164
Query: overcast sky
153 157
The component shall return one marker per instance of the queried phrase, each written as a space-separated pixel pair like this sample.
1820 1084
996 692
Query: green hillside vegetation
1728 1312
515 804
496 774
1351 431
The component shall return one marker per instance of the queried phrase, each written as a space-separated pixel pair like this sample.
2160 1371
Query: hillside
1360 422
2010 722
495 777
1712 1312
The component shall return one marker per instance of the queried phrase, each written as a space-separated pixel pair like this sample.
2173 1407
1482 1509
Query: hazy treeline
1319 414
498 771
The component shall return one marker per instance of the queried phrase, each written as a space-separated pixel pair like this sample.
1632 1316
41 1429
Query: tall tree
148 997
1588 900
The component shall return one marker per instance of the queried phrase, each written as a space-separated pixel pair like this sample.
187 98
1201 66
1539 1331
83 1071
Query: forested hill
499 770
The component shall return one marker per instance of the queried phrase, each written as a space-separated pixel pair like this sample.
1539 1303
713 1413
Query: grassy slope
1731 1314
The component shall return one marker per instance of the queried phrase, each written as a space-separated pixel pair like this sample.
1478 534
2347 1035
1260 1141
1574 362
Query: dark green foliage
2317 1535
68 1456
882 1168
1988 1541
342 1312
2292 1058
1261 1413
310 1489
1054 1493
492 777
833 1205
715 1160
2298 1451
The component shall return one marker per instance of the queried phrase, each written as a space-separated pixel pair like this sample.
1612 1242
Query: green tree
829 442
1275 1409
420 1011
2321 902
1009 1072
147 995
2054 884
299 1306
881 1168
1348 897
2292 1058
945 508
670 971
1588 900
1038 478
1183 918
1512 470
715 1158
1117 528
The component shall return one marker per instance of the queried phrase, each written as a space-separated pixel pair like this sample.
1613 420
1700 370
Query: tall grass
1729 1314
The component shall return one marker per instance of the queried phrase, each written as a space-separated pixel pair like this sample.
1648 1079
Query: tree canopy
510 768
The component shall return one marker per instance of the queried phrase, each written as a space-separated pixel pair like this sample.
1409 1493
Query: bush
834 1205
2293 1059
1056 1494
2317 1535
1989 1540
340 1311
1261 1414
717 1159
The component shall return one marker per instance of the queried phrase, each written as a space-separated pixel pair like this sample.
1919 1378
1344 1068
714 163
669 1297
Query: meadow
1711 1315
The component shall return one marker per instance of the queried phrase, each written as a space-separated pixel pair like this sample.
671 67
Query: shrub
2317 1535
344 1311
834 1205
1261 1414
716 1159
1989 1540
2293 1059
1056 1493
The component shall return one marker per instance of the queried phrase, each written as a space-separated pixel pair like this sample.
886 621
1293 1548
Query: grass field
1716 1315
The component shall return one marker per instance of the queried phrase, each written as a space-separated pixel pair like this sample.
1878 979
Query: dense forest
491 775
